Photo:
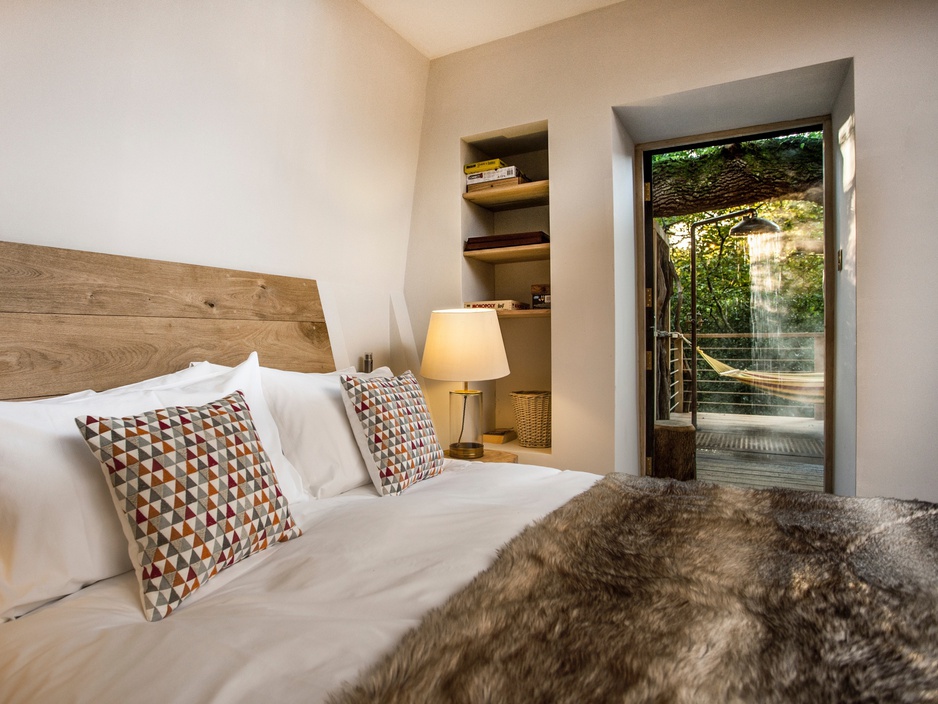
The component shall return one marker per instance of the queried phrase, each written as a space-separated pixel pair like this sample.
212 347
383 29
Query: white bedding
295 621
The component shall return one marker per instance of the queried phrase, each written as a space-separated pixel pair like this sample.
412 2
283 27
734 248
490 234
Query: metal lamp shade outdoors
753 225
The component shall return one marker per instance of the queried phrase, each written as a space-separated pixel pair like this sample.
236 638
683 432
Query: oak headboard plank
36 279
72 320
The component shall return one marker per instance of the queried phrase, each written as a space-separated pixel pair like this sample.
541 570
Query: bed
450 581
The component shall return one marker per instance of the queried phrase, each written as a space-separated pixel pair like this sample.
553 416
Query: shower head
752 225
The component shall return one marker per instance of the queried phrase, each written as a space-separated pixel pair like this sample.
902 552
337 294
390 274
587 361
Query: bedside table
492 456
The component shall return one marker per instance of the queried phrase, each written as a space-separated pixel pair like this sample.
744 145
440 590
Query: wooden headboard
72 320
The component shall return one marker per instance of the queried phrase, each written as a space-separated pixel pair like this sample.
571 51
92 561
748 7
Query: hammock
804 387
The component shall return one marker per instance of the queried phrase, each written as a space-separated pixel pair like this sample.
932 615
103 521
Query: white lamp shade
464 344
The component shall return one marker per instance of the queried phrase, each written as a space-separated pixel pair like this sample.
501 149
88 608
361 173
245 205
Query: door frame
645 279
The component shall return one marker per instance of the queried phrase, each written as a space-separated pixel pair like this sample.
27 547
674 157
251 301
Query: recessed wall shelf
529 313
522 195
510 255
509 273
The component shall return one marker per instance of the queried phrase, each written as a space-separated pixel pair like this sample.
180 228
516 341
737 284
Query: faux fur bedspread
646 590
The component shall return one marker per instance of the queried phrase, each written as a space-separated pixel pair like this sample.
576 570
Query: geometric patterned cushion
392 426
195 491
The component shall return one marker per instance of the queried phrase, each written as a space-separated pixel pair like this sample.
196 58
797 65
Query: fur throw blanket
648 590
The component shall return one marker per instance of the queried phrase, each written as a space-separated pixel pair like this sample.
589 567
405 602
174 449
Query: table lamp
465 344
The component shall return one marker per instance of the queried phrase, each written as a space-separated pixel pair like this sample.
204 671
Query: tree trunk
664 287
735 175
675 450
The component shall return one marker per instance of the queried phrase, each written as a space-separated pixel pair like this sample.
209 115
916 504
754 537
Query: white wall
574 73
843 121
283 137
278 136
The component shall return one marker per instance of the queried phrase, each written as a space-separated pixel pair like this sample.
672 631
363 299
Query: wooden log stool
675 450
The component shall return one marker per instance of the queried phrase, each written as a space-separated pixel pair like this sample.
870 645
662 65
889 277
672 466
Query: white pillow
314 428
202 382
58 529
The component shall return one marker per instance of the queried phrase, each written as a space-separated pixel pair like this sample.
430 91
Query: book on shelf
506 304
498 183
493 175
486 165
499 436
516 239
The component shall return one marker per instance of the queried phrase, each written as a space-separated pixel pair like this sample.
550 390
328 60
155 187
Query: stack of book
492 173
499 436
516 239
505 304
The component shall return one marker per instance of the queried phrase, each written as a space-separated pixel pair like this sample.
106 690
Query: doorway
739 325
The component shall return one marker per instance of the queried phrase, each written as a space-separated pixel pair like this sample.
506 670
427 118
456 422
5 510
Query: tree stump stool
675 450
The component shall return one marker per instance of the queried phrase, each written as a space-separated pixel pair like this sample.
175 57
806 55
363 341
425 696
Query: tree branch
739 174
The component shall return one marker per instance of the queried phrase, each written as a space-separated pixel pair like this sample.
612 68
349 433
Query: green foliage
804 141
724 273
788 284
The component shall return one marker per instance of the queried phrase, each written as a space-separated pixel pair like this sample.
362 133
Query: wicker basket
532 417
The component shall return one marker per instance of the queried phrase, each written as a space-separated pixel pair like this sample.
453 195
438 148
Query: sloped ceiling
440 27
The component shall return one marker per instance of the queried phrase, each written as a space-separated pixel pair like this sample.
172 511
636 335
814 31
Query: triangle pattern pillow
195 490
392 426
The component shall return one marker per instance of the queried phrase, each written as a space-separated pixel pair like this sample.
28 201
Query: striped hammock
803 387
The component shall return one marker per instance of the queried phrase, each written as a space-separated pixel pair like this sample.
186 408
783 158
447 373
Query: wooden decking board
765 468
792 475
781 445
765 460
760 452
806 478
715 473
755 484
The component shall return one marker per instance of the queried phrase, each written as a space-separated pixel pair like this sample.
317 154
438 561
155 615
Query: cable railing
783 352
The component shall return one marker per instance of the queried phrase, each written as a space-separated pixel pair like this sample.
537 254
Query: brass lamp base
466 450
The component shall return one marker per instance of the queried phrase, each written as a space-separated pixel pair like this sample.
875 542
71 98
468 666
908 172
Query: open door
738 309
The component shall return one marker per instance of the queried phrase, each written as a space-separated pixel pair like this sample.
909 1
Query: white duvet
295 621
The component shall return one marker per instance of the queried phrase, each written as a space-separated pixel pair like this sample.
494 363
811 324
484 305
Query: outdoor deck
760 451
